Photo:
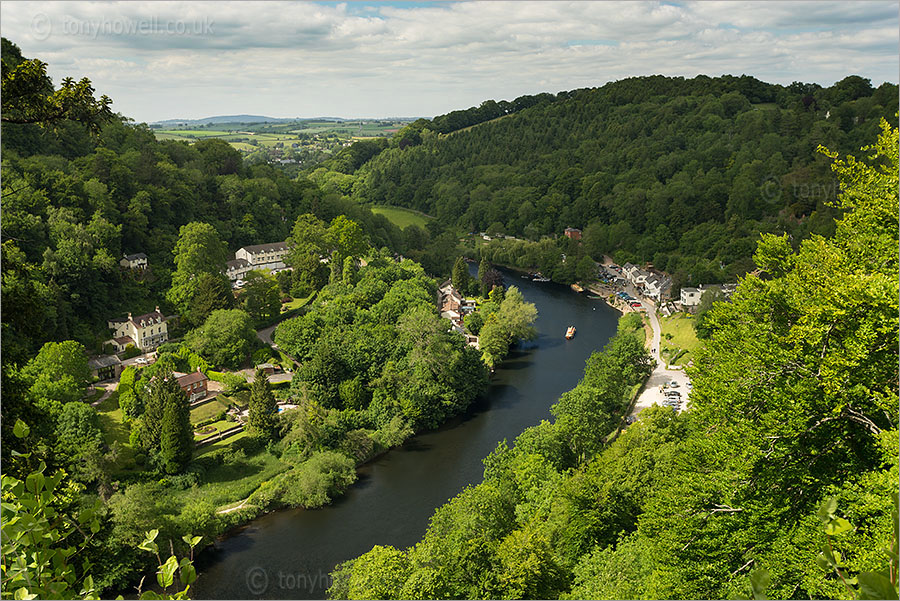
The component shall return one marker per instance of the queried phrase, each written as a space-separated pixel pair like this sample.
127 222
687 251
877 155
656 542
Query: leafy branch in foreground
29 97
44 533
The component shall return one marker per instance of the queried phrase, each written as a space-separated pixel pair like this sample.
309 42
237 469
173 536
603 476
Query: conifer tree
262 406
460 276
154 407
177 437
483 268
337 267
349 274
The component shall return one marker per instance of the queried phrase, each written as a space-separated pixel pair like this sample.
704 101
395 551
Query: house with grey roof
145 332
265 257
135 261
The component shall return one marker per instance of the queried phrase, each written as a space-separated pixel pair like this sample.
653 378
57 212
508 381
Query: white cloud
174 59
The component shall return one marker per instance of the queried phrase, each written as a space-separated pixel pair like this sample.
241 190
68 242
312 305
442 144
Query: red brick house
573 233
193 384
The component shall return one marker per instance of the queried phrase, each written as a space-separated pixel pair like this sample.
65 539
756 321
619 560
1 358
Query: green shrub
312 483
234 383
131 351
168 347
263 355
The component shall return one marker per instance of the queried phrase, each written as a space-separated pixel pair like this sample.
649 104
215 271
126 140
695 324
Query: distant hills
263 119
230 119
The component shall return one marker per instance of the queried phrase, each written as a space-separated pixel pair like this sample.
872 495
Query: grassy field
112 422
402 217
678 335
234 481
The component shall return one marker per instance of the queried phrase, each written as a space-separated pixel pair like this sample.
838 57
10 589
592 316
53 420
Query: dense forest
682 173
779 482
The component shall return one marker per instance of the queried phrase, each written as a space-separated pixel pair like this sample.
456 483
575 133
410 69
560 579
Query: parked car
141 360
673 384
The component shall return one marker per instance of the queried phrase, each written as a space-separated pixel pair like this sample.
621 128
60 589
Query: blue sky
368 59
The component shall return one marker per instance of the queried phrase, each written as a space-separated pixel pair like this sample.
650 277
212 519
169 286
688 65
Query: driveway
249 374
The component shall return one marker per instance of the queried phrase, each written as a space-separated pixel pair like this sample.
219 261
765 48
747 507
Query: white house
653 286
237 269
268 257
690 297
135 261
145 332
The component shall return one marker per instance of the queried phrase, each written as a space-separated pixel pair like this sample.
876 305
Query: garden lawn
221 444
208 410
296 304
214 428
235 480
680 326
93 396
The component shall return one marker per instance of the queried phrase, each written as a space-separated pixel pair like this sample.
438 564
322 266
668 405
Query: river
289 554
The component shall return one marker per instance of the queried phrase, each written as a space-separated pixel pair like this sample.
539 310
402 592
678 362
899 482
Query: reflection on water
289 554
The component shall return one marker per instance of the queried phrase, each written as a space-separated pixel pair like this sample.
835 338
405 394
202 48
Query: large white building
145 332
263 257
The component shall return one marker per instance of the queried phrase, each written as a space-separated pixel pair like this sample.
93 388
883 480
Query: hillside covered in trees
77 198
780 481
682 173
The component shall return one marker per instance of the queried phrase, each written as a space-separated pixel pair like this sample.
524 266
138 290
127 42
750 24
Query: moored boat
570 333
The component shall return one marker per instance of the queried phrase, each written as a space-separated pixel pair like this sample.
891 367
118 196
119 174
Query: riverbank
396 493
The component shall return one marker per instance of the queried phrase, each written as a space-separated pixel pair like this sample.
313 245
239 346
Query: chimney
129 316
156 309
198 369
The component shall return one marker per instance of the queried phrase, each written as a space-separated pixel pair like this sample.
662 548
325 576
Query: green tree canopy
225 339
29 97
261 296
60 373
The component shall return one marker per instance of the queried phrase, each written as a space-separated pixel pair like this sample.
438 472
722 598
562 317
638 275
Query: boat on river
570 333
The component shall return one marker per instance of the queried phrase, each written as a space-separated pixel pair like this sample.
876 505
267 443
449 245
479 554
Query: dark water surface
289 554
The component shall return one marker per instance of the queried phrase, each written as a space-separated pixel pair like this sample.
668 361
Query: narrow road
266 336
652 394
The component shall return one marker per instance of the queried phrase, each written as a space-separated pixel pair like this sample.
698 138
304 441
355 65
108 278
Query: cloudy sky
160 60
